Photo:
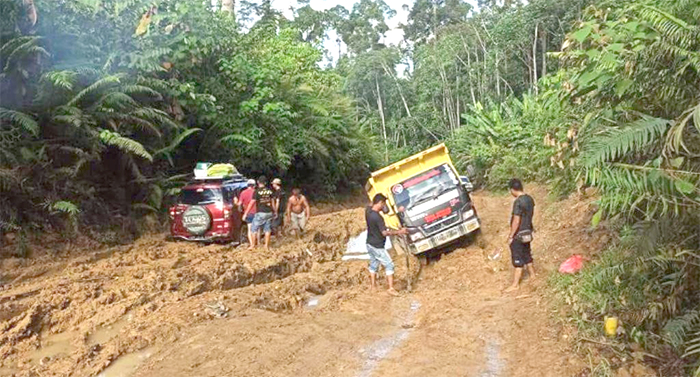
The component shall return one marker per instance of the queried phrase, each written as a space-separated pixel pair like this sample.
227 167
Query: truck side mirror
466 183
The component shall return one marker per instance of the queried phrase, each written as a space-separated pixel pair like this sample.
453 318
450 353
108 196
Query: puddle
127 364
103 334
380 349
54 346
494 364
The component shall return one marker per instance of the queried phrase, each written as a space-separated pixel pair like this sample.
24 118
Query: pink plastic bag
572 265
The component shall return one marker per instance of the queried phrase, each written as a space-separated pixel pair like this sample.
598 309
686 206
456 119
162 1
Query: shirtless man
298 211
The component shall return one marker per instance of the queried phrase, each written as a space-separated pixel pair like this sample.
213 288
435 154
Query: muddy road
158 308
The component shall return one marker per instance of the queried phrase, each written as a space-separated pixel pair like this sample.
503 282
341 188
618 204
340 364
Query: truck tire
197 220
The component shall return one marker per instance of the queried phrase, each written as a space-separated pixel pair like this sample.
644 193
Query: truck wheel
422 259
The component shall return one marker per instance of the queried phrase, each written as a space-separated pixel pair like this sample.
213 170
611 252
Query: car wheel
196 220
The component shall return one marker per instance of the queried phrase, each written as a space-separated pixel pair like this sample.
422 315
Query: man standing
243 200
376 239
298 211
281 204
520 234
264 201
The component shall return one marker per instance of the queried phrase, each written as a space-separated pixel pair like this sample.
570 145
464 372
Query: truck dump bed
382 180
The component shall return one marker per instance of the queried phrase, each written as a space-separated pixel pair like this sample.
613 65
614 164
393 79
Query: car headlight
468 214
417 236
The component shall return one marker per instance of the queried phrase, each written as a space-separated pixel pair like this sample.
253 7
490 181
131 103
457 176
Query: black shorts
279 221
520 253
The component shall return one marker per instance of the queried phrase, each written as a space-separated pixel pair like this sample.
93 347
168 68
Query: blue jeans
379 256
262 220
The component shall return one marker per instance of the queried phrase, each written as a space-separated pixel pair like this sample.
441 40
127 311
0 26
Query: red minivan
205 212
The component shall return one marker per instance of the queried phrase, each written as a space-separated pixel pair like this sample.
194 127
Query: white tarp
357 247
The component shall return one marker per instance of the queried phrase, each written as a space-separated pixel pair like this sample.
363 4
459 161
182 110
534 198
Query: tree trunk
534 59
380 106
544 53
228 5
398 87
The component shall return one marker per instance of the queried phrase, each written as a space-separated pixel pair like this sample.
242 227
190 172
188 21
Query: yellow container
611 324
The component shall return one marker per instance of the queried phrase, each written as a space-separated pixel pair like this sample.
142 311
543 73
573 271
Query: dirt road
159 308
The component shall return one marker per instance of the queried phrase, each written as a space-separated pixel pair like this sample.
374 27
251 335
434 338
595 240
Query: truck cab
426 195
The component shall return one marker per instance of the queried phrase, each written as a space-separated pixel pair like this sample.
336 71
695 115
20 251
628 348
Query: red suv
205 211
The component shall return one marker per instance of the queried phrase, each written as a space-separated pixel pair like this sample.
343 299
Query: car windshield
200 196
424 186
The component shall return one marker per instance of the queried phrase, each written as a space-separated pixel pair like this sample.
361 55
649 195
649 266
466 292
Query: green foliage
614 143
124 144
649 281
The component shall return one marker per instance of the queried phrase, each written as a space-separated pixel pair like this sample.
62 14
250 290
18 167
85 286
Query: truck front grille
438 226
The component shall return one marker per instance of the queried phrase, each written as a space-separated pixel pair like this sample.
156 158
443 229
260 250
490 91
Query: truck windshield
424 186
200 196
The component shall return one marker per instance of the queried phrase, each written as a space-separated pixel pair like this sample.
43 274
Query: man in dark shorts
281 203
264 202
520 234
376 239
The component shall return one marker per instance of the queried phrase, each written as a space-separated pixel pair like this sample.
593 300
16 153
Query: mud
298 310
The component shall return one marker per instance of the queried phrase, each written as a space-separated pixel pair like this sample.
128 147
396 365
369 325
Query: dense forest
105 106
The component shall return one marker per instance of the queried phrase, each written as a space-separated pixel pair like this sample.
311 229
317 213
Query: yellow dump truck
426 195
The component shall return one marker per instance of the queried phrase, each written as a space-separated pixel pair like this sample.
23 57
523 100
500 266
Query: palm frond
19 119
176 141
156 116
62 79
95 87
616 143
124 144
66 207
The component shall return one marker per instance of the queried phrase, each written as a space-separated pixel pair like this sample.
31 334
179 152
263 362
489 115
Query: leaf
595 220
622 86
124 144
235 137
581 34
677 162
616 47
20 119
684 187
176 141
65 207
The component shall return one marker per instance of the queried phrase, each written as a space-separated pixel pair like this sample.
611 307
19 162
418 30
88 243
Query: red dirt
154 294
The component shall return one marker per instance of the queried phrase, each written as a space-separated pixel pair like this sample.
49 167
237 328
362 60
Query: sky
393 37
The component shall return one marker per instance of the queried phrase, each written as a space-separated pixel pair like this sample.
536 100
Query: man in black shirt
520 234
376 239
266 209
281 203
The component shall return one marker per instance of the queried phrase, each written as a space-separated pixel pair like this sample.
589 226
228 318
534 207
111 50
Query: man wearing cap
264 201
281 204
243 200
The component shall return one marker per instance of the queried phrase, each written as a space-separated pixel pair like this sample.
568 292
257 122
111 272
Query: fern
124 144
22 120
175 143
62 79
65 207
156 116
117 101
616 143
141 90
95 87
